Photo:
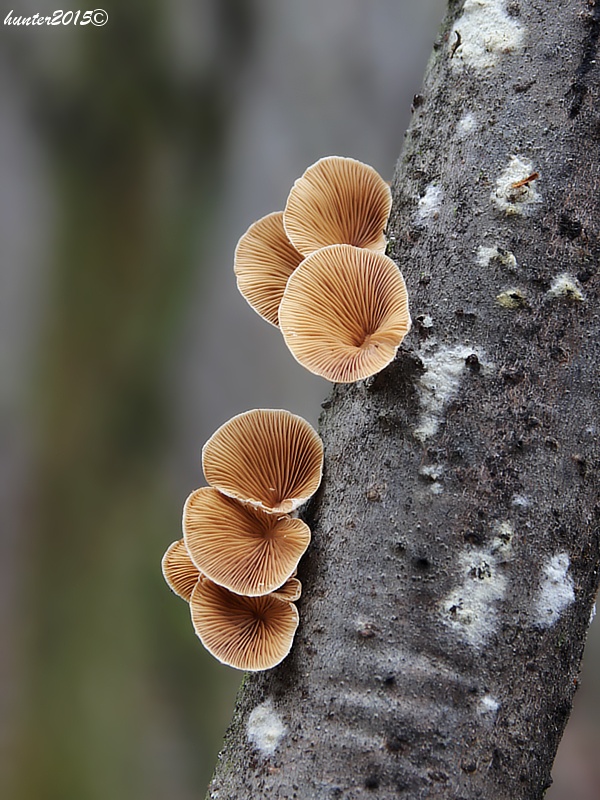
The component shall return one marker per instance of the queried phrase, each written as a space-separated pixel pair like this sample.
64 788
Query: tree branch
455 551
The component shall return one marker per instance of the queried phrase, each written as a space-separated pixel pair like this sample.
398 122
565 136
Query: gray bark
455 554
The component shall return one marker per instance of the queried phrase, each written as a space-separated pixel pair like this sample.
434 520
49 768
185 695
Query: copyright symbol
99 17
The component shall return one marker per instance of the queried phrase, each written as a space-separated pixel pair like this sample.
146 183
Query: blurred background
133 157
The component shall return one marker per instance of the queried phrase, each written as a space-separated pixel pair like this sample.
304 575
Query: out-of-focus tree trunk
134 151
455 554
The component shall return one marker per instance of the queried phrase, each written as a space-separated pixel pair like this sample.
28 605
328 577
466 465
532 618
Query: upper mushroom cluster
319 272
236 563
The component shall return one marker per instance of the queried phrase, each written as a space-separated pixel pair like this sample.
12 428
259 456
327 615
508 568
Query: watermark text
97 17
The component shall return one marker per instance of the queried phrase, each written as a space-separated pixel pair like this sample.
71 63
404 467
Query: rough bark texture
455 554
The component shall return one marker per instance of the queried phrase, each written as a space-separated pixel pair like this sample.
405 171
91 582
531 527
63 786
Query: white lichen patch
593 613
432 472
488 256
511 195
264 728
440 382
556 592
520 501
566 287
427 322
430 204
483 33
466 125
470 609
488 706
502 543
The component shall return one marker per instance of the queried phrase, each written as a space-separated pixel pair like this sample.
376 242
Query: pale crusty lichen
512 195
483 33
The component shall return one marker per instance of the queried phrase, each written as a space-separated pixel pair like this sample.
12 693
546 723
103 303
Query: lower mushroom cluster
236 563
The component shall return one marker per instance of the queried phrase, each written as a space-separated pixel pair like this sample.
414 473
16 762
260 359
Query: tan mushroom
264 260
269 458
345 312
179 570
249 633
290 591
338 201
239 546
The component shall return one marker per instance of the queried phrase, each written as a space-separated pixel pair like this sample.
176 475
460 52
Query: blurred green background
133 157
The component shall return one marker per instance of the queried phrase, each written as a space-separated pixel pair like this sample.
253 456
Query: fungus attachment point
264 260
241 547
345 312
249 633
269 458
179 571
338 200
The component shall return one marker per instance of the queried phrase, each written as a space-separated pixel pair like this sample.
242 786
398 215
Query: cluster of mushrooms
236 563
319 272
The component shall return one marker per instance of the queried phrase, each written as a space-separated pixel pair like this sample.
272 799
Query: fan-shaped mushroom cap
179 570
290 591
266 457
250 633
264 260
338 201
345 312
239 546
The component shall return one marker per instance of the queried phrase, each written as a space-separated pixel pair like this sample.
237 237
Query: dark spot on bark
396 742
326 404
472 362
512 375
336 792
417 101
579 90
519 88
367 630
469 767
372 782
585 274
421 563
465 315
551 443
438 776
513 9
456 44
389 680
474 537
569 227
496 758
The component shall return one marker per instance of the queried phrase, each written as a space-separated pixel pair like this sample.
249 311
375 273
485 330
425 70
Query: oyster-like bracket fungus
180 572
264 260
345 312
249 633
239 546
338 201
269 458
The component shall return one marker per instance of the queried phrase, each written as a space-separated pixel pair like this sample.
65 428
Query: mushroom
338 201
264 260
241 547
345 312
179 570
249 633
291 590
269 458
